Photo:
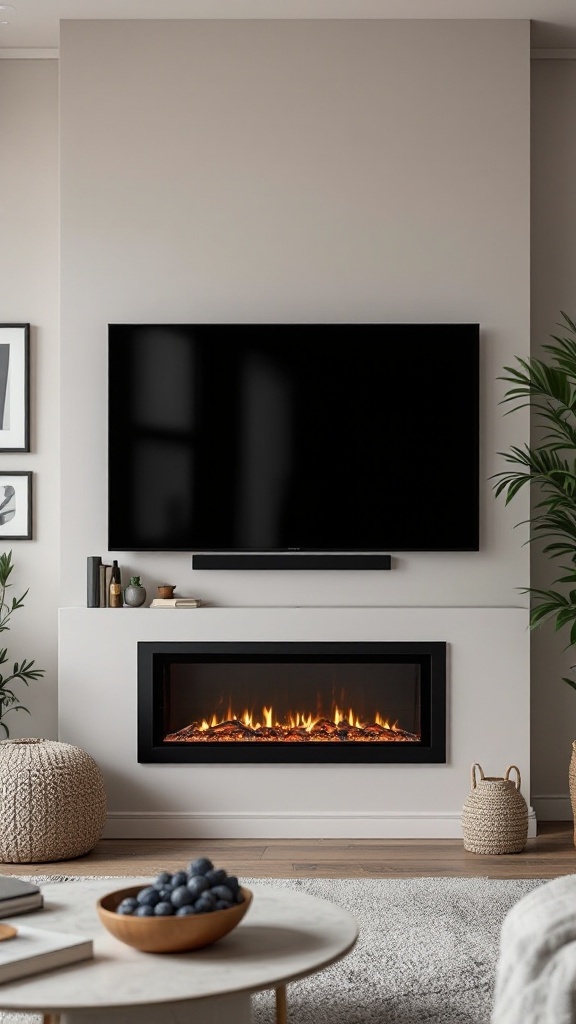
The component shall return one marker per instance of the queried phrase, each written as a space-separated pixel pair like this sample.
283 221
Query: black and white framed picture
15 506
14 387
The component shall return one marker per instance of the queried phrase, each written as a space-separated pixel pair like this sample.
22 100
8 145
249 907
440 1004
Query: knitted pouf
53 801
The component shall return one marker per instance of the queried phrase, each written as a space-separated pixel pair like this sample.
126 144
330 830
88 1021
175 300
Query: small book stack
176 602
32 950
18 896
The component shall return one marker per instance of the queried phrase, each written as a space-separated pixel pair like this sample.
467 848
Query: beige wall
296 170
553 289
29 294
261 170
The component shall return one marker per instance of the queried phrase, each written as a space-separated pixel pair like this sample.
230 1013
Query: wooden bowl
168 934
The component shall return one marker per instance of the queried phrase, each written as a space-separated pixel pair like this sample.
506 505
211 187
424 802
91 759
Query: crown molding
28 53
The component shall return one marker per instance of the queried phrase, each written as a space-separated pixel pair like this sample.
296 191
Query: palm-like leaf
548 387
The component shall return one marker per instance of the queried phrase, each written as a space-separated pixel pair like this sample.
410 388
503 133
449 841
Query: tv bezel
226 557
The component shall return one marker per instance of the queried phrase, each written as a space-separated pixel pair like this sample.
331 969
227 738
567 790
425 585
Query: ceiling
35 23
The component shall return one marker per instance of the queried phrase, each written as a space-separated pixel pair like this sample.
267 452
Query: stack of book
26 950
176 602
18 896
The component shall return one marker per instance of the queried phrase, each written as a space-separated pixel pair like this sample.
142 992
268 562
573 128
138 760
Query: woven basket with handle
495 814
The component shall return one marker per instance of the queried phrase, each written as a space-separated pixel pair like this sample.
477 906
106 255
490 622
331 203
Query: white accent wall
302 171
487 713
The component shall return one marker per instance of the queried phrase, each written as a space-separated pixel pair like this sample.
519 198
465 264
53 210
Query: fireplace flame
298 726
294 720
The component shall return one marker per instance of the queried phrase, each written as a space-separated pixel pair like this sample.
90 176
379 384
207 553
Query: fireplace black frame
431 656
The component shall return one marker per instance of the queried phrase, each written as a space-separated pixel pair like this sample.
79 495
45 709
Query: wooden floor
551 854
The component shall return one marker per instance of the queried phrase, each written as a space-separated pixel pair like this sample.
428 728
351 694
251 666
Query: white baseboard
160 825
553 808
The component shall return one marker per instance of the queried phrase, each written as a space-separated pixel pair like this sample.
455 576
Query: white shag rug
426 954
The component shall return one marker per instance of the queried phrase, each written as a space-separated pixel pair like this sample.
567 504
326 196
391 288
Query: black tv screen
293 437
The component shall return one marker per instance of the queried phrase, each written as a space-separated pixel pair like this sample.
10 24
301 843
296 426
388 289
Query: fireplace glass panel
298 702
285 702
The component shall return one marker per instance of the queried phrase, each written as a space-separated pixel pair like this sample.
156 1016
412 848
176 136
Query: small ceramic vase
135 593
165 590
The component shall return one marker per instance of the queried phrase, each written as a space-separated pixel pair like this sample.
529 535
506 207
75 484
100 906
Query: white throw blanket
536 969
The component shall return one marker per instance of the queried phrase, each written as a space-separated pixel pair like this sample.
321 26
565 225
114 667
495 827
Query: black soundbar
290 560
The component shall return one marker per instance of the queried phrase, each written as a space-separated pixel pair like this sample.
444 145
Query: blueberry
144 911
200 866
165 893
181 896
148 896
222 892
163 909
216 876
204 906
123 909
240 897
223 904
162 879
179 878
233 883
207 897
127 905
197 885
185 911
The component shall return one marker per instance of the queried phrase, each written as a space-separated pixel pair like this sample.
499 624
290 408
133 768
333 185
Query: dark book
105 575
93 581
18 896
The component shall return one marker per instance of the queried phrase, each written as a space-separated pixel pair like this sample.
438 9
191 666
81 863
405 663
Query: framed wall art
14 387
15 506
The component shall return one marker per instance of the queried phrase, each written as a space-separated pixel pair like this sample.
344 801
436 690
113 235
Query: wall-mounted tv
293 437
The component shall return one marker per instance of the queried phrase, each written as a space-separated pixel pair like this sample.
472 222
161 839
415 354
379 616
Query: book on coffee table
32 950
18 896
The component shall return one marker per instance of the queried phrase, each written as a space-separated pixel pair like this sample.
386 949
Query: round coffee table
286 935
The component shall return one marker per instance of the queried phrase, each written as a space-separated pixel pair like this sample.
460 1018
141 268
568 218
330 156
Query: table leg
281 1007
51 1018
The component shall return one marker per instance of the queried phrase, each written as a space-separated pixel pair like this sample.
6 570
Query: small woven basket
495 814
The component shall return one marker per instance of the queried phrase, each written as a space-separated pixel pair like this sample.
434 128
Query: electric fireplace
292 702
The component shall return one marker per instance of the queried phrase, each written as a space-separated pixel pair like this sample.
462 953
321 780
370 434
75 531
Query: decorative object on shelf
93 581
165 590
53 801
14 387
116 599
495 814
16 505
548 468
176 602
24 670
135 593
105 580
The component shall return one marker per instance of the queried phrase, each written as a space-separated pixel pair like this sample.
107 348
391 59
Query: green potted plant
548 467
24 670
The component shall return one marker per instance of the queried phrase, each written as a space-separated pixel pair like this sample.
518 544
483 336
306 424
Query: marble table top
285 935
